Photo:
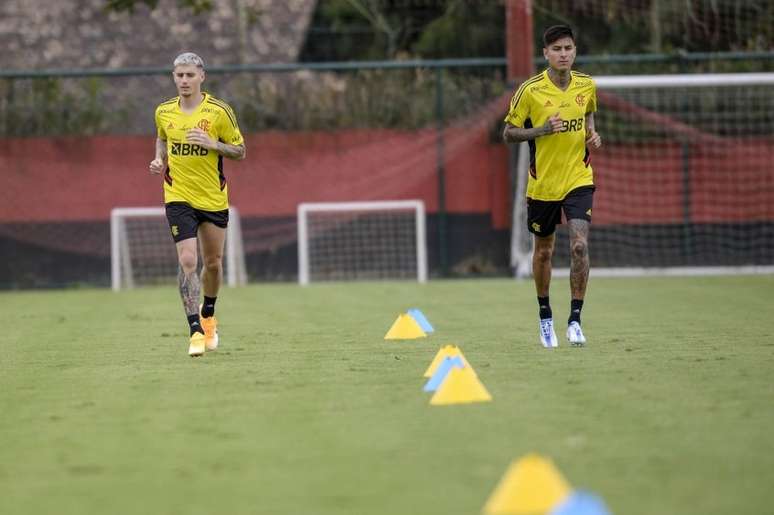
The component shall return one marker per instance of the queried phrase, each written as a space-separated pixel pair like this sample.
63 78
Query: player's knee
187 262
213 264
544 254
579 248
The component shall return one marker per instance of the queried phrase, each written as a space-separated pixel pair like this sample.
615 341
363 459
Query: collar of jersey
557 88
198 108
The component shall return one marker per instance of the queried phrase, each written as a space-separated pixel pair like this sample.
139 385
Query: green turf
305 409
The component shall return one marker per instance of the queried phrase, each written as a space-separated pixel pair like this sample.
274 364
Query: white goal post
684 176
362 240
142 251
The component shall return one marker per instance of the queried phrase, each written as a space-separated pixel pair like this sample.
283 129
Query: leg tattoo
190 287
579 254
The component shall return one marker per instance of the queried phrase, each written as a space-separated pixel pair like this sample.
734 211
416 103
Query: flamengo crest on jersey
195 174
559 163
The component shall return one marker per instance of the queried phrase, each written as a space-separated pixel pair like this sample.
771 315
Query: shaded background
80 81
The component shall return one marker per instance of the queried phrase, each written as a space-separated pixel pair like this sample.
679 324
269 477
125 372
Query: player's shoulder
533 83
527 87
218 104
582 80
167 105
221 107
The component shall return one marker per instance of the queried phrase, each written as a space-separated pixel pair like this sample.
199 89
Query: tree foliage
380 29
197 6
638 26
386 29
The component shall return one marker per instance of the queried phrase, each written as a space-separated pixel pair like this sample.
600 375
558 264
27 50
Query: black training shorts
543 216
184 220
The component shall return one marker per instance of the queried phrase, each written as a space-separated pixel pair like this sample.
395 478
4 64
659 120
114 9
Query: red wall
729 182
83 178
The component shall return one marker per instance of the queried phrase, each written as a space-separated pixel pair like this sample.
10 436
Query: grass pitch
305 409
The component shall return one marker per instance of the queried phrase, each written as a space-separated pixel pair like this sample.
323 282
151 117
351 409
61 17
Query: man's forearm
513 134
590 122
230 151
161 149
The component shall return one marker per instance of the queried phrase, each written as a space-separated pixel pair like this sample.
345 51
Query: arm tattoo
590 121
190 287
231 151
513 134
161 149
579 257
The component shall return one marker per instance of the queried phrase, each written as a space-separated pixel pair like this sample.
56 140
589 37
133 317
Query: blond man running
195 131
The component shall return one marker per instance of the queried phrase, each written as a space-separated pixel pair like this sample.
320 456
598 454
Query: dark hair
556 33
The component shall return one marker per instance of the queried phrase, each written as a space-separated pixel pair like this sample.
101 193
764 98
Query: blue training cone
440 373
420 318
581 503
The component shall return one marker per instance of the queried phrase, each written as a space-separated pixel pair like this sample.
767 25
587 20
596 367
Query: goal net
361 240
684 179
143 253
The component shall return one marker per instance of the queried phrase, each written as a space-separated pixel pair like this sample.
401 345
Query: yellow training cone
530 486
404 328
461 386
447 351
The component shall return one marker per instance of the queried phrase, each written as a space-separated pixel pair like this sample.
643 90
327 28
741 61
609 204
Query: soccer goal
362 240
684 178
142 251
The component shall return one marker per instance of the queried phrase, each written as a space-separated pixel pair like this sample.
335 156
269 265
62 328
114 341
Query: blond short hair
189 58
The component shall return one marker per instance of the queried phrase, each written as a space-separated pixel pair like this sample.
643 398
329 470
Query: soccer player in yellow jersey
195 131
554 112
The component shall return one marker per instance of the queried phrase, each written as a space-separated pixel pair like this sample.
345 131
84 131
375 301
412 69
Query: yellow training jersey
195 174
559 162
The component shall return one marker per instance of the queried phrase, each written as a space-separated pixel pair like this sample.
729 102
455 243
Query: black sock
196 327
545 308
208 308
575 310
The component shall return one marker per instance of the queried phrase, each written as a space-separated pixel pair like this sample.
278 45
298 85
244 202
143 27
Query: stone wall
44 34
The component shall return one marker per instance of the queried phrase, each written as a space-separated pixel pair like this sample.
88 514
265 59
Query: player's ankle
545 308
195 326
208 306
576 305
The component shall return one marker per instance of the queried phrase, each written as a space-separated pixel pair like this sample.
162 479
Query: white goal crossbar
683 80
122 275
307 208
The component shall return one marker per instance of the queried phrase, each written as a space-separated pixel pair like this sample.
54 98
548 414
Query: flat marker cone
530 486
443 352
581 503
417 315
441 372
461 386
404 328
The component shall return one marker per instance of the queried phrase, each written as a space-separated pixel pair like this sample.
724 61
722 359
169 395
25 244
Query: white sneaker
574 334
547 334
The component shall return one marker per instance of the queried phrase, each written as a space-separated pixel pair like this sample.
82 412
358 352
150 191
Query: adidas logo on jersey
548 104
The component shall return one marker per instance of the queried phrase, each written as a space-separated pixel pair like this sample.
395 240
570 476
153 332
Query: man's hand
157 166
593 139
201 138
553 124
